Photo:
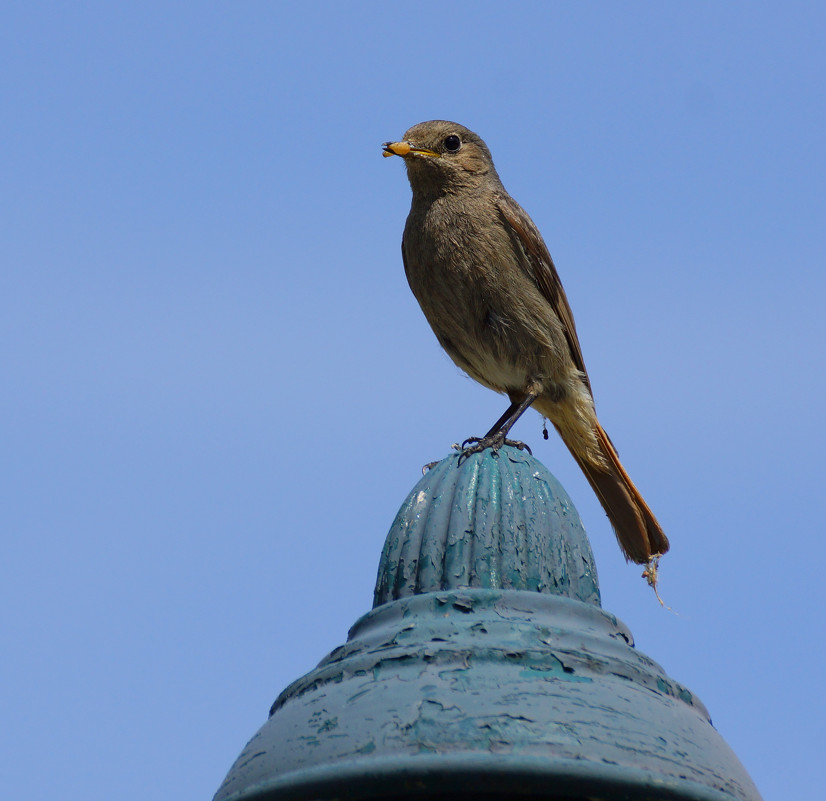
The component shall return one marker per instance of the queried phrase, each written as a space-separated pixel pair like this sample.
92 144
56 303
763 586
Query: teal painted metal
509 682
497 521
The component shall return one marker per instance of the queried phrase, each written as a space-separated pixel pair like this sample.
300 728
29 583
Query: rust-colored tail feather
639 534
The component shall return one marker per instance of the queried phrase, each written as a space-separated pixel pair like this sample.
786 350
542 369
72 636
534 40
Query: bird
489 289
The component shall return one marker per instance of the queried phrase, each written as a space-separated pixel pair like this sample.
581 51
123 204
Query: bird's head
442 155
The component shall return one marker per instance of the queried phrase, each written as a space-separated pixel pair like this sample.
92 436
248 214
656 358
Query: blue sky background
217 388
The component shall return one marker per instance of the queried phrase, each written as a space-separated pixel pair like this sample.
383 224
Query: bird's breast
463 273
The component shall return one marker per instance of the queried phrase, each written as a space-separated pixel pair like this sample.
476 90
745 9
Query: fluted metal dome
497 521
487 669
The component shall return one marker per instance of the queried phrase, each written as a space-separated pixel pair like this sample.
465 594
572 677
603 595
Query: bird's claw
478 444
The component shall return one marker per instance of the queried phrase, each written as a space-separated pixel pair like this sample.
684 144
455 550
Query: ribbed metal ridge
498 520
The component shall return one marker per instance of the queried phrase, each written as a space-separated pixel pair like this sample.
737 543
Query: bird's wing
541 270
404 262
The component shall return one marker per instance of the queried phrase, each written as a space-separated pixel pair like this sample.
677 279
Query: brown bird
488 287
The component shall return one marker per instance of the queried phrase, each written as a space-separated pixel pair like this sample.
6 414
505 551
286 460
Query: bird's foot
495 441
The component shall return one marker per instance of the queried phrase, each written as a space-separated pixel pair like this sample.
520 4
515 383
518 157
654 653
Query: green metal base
487 692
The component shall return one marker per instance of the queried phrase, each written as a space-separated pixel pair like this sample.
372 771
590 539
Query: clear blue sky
217 388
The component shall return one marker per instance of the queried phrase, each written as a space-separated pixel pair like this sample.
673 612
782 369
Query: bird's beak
406 150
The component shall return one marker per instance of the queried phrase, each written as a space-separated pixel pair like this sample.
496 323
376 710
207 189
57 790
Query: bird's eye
452 143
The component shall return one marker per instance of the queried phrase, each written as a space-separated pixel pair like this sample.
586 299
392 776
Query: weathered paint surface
527 682
499 521
487 667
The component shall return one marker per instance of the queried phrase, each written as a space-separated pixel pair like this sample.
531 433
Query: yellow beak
405 149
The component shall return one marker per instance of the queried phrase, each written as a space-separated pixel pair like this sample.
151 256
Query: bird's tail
639 534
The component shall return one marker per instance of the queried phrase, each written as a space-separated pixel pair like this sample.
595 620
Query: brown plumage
489 289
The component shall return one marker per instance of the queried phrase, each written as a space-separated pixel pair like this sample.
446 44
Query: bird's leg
497 436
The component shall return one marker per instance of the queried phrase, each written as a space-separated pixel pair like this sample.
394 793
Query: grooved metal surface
498 521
